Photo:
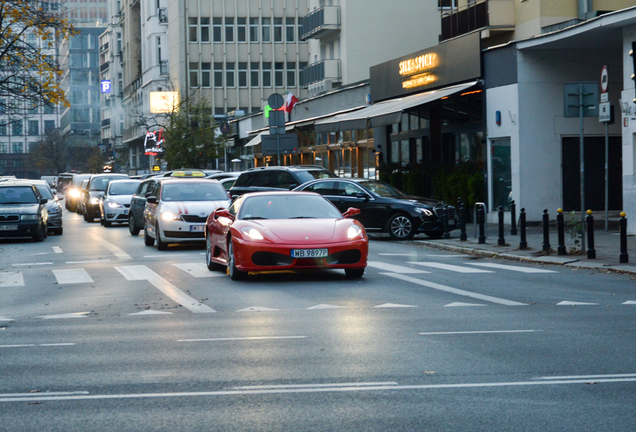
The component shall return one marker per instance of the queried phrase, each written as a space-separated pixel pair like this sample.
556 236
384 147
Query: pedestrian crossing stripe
11 279
460 304
451 267
513 268
395 268
72 276
198 270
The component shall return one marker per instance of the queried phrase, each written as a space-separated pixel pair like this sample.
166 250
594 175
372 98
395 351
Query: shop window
404 123
346 162
339 137
361 135
419 153
462 110
346 136
501 176
395 128
405 152
395 151
414 122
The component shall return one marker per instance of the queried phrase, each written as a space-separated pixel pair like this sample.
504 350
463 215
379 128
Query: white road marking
315 389
513 268
141 272
394 305
460 304
454 290
295 386
72 276
241 338
198 270
36 345
6 319
395 268
151 312
571 303
57 249
450 267
327 306
31 264
65 316
478 332
166 255
256 309
11 279
119 253
586 376
630 302
28 395
87 261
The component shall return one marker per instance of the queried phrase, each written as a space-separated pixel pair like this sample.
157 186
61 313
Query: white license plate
8 227
197 228
309 253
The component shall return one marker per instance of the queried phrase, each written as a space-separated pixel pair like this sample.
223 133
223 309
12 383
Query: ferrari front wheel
235 274
212 266
354 273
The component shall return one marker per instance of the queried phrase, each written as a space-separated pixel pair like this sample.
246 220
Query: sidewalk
606 245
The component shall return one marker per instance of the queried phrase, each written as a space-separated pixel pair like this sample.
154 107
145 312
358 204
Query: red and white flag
290 102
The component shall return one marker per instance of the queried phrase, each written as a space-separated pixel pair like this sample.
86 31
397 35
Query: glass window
267 29
49 126
404 150
49 108
3 130
267 74
218 75
242 74
206 75
3 147
253 29
290 29
205 29
229 75
192 29
217 30
194 74
34 127
279 74
17 147
241 29
278 29
501 177
16 128
291 75
254 73
229 29
404 124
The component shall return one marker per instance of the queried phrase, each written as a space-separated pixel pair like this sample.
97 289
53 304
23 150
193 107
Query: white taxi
177 209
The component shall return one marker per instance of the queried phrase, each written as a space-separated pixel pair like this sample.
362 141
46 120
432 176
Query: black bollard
561 232
523 244
513 218
501 241
623 258
546 231
589 221
462 220
481 219
446 229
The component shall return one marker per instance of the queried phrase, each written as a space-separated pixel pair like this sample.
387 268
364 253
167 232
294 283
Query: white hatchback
177 210
115 203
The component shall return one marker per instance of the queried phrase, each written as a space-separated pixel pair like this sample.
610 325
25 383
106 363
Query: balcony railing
162 13
321 23
484 14
163 67
321 71
104 66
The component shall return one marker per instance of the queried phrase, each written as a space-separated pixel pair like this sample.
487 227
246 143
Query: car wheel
59 231
148 241
161 245
434 234
101 220
132 227
400 227
41 235
354 273
107 223
88 217
212 266
235 274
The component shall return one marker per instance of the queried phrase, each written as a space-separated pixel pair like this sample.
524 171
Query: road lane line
395 268
513 268
479 332
198 270
141 272
295 386
450 267
57 249
11 279
87 261
454 290
119 253
31 264
587 376
241 338
72 276
27 395
36 345
354 388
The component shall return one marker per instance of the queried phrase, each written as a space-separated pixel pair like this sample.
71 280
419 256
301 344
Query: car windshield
100 183
382 189
204 191
17 195
44 191
288 207
123 188
305 176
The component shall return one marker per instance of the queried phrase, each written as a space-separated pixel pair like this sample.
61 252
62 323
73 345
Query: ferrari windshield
288 206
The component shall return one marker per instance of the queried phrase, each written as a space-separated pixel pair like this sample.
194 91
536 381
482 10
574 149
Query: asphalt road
101 333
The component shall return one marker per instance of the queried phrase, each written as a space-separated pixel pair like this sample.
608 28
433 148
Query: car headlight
94 201
354 231
168 216
252 233
114 205
29 217
424 211
55 210
74 193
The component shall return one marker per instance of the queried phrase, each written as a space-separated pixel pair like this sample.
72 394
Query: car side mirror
152 200
43 200
351 211
293 186
223 213
362 195
148 194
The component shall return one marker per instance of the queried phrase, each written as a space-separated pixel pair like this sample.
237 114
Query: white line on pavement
241 338
450 267
11 279
513 268
395 268
587 376
36 345
57 249
454 290
141 272
294 386
87 261
31 264
28 395
72 276
198 270
479 332
119 253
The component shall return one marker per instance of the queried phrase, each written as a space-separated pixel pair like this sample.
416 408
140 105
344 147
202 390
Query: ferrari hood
300 230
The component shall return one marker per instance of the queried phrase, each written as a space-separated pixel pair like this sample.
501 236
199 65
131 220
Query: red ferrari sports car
266 231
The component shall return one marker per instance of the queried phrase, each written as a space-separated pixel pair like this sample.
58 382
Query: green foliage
574 228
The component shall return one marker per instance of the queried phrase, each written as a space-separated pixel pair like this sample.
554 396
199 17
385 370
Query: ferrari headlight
168 216
354 231
29 217
114 205
252 233
74 193
94 201
424 211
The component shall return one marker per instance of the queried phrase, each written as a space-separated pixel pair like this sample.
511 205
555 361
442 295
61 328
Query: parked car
178 208
138 204
53 207
22 211
83 191
115 203
262 179
222 175
228 182
96 187
385 208
73 192
63 180
284 230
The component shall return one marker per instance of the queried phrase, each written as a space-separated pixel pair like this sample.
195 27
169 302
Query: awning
257 139
385 113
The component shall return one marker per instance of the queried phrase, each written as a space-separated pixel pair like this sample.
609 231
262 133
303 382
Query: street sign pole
605 99
582 167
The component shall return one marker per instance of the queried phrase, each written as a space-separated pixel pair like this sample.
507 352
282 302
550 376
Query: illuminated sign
154 143
418 80
418 64
163 102
105 86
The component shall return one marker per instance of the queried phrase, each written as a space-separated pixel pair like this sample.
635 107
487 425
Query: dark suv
277 178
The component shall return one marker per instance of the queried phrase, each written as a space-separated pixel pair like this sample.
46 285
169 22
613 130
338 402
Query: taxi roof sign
188 174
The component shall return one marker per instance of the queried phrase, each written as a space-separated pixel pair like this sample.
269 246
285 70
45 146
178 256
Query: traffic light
632 54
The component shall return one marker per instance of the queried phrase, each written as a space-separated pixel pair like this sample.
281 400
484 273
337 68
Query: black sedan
385 208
